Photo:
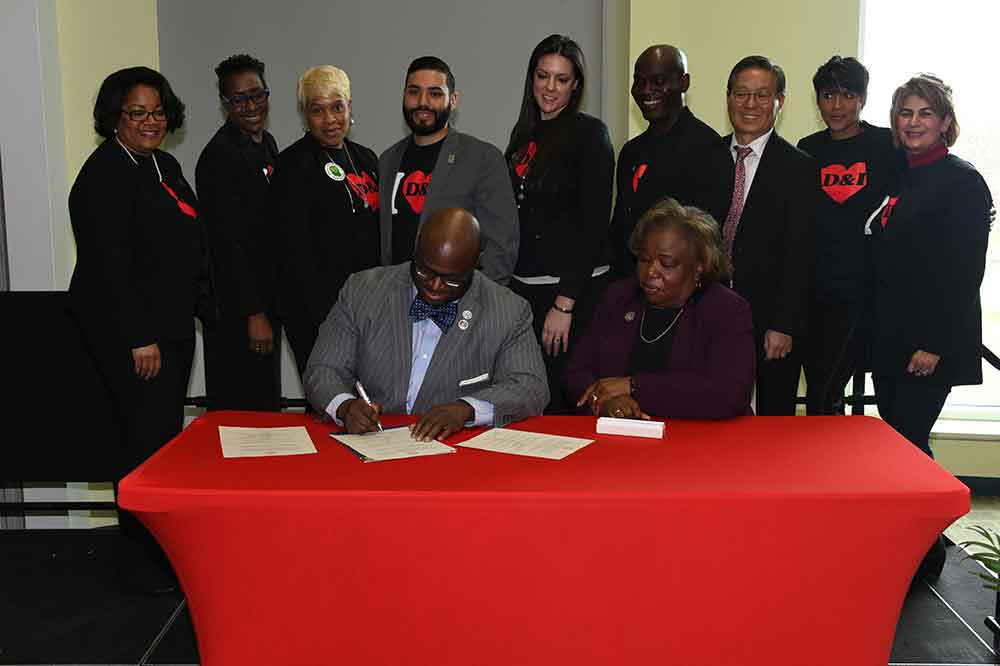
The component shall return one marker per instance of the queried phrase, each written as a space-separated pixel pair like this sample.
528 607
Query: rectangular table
783 540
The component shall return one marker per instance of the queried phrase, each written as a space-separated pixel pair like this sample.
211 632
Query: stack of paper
393 444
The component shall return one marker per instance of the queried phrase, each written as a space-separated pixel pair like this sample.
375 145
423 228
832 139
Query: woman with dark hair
858 165
325 202
140 275
929 242
561 167
672 341
234 172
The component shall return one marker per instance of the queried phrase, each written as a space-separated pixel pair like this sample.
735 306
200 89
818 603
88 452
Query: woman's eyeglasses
240 101
141 115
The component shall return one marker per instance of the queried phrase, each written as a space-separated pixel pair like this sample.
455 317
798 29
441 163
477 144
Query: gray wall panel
486 44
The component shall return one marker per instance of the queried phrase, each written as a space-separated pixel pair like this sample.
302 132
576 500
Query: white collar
757 145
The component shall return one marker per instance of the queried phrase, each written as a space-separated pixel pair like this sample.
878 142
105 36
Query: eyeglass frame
241 101
133 115
763 97
427 275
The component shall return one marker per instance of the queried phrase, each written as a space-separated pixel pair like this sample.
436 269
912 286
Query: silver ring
619 412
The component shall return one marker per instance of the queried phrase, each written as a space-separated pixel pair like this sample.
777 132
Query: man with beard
437 167
677 156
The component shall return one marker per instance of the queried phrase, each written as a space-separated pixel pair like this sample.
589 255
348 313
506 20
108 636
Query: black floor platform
60 604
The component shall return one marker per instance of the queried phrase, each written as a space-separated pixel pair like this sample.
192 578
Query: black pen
364 396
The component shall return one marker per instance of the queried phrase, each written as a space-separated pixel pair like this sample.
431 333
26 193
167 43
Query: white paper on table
523 443
392 444
239 442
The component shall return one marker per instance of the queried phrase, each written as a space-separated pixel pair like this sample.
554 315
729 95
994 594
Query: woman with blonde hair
672 341
325 202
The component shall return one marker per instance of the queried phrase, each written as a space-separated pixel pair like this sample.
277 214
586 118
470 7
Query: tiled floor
59 605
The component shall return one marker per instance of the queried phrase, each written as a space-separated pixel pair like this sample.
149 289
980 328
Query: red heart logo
840 184
365 187
529 154
415 190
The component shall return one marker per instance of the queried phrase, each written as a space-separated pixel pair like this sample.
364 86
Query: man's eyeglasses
240 101
427 275
140 115
743 96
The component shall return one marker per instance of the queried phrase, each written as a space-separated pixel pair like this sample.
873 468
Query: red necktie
736 205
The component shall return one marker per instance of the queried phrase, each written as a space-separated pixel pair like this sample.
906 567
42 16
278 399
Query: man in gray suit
434 337
466 173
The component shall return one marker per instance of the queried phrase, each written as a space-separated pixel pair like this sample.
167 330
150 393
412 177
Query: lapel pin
463 324
451 158
466 314
629 316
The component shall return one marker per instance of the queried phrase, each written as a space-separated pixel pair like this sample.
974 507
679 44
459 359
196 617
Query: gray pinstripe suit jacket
368 336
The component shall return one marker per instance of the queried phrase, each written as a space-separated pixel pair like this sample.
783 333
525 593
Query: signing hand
776 345
555 330
922 364
442 421
358 417
601 390
147 361
623 407
260 334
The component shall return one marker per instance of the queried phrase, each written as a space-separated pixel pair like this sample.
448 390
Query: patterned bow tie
442 315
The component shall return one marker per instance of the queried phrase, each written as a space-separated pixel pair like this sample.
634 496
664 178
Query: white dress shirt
751 161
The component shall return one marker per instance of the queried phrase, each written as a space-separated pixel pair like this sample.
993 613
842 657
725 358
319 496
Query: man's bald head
659 82
447 248
670 58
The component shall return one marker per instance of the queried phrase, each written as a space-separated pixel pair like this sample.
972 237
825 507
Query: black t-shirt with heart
408 196
854 176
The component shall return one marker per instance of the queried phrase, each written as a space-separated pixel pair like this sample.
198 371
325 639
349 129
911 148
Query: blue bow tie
442 315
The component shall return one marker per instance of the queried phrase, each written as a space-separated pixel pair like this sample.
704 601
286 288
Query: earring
352 121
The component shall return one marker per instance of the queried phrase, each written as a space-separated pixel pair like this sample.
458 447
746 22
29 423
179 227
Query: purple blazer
710 373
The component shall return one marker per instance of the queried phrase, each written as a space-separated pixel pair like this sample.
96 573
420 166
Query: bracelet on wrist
561 309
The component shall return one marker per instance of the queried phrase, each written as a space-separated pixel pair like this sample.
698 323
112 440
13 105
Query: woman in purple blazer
672 341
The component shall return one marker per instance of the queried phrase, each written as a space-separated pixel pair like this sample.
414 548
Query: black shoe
933 563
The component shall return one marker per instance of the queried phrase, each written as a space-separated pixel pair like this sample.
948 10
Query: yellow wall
97 37
715 34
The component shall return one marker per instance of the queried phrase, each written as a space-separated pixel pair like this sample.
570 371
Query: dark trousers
541 297
150 413
911 406
777 380
834 351
302 333
235 376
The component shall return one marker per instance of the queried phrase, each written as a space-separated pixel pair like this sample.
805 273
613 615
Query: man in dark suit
242 360
433 337
768 229
677 156
437 167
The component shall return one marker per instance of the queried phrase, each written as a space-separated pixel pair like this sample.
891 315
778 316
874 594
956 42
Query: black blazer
323 239
141 271
233 192
773 249
929 263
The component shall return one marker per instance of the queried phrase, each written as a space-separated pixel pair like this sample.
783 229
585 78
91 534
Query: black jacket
690 163
929 263
234 195
773 248
563 213
141 270
323 240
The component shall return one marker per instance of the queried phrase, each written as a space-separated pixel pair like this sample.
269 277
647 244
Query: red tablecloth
753 541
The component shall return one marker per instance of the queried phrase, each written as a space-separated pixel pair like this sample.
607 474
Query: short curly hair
116 87
235 64
699 228
936 93
322 81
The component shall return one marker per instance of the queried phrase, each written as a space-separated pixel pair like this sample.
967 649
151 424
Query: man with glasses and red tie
768 229
432 336
233 176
